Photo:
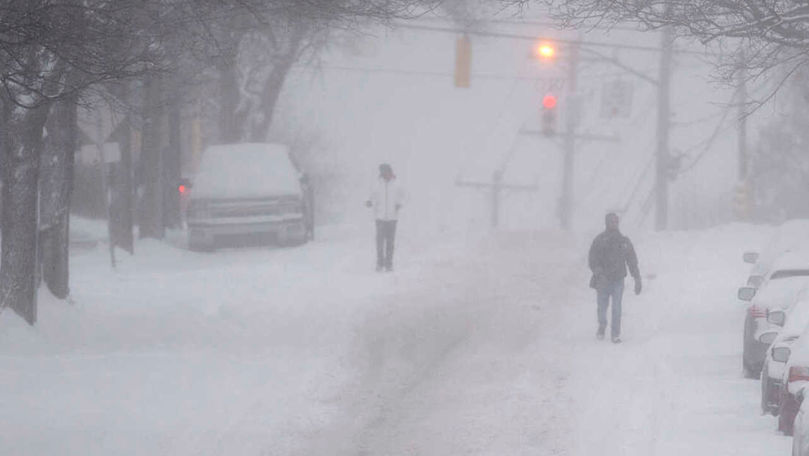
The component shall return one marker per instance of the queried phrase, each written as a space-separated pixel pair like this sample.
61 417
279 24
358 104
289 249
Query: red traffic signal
549 115
549 102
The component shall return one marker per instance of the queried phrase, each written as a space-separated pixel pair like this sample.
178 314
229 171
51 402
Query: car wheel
198 242
765 406
294 239
200 246
747 372
785 423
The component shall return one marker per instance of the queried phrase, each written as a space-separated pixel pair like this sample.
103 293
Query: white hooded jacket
386 199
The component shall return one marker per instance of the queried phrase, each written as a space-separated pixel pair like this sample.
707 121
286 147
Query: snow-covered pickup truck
243 190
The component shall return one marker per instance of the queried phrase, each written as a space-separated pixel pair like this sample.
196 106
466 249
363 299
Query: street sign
616 99
555 85
112 153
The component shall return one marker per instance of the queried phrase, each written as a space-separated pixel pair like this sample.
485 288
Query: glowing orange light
546 51
549 102
182 189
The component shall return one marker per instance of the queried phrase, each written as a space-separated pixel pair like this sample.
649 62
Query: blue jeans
611 289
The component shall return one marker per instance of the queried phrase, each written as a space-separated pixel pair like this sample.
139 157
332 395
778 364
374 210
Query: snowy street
481 346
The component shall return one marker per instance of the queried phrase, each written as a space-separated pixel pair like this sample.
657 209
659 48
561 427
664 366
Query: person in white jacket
386 200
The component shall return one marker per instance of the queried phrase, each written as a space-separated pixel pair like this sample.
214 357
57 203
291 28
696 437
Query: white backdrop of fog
363 111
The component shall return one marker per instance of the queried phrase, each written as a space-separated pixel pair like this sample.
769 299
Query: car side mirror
777 317
750 257
768 337
746 294
781 354
755 281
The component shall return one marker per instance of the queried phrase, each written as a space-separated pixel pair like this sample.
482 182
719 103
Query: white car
796 377
800 440
244 190
794 321
792 235
789 275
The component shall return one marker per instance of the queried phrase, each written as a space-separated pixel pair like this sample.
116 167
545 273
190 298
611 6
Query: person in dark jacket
610 255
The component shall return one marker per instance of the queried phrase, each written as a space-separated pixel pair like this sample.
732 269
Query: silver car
246 191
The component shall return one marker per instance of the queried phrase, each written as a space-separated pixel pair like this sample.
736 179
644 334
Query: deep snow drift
478 346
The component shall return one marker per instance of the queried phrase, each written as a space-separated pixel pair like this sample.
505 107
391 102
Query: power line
534 38
531 23
397 71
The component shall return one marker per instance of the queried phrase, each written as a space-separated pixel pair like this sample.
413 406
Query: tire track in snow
469 372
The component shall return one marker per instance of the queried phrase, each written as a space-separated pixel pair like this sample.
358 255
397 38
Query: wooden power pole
662 156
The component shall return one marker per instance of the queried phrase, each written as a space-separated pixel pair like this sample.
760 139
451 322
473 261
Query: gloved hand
638 286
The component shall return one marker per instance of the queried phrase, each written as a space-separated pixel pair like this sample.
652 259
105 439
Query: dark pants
385 239
610 289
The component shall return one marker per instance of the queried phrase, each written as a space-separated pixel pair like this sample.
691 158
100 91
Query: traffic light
743 200
545 50
549 115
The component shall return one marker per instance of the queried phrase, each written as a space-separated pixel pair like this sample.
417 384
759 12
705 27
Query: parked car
796 377
794 321
245 190
787 278
791 235
800 440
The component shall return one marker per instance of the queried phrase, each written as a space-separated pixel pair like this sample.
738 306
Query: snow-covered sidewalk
479 347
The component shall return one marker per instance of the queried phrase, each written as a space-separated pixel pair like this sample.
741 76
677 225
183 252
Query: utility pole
743 157
569 149
497 187
663 120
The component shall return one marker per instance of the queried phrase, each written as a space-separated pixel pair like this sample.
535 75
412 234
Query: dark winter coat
610 255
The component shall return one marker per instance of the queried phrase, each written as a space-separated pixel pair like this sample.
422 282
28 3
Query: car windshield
785 273
245 171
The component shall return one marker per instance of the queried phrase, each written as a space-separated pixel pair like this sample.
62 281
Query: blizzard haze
381 228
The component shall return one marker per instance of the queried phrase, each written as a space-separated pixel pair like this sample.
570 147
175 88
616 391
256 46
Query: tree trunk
121 178
23 144
172 161
151 204
260 127
230 126
55 189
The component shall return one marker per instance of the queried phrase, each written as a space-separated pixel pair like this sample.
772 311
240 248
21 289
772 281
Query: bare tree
261 42
761 35
53 51
49 53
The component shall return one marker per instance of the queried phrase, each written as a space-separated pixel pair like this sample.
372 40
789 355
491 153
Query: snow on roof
791 235
797 319
250 170
780 293
794 259
800 351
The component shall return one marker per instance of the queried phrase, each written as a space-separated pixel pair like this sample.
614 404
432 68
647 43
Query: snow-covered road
479 347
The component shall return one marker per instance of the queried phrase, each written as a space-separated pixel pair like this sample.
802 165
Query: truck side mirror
750 257
746 293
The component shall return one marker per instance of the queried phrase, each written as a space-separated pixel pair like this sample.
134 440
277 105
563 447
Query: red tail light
758 312
798 374
182 189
